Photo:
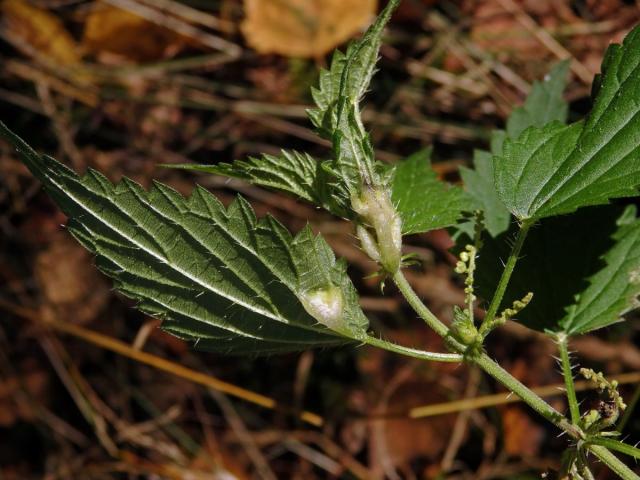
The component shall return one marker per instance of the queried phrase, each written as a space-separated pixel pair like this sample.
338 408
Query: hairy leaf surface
337 116
528 162
424 202
215 275
582 269
552 170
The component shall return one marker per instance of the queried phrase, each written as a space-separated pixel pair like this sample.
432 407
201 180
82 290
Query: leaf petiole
413 352
506 275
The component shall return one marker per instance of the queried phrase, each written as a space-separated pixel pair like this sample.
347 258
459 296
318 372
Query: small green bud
605 386
606 409
463 328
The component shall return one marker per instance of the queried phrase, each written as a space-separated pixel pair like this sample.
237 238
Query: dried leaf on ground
111 30
304 28
41 31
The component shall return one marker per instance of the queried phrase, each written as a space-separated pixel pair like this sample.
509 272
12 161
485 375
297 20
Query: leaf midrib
159 258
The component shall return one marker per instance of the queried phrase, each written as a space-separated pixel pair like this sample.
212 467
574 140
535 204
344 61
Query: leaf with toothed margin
544 104
330 184
337 116
291 172
214 275
555 169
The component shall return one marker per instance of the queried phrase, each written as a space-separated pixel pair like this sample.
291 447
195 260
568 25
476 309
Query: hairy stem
417 304
527 396
613 462
413 352
506 274
567 373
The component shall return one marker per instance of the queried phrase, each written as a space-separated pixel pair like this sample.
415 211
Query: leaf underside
291 172
214 275
582 277
555 169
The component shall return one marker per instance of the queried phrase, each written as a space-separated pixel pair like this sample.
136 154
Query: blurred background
92 389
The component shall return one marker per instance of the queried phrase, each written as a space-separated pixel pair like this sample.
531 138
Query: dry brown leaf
304 28
39 30
111 30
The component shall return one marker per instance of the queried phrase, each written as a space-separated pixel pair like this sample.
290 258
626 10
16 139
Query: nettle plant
232 283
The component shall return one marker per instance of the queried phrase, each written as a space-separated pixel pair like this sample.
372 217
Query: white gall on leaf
325 305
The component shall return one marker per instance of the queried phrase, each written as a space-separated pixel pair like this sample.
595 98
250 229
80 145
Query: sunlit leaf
556 169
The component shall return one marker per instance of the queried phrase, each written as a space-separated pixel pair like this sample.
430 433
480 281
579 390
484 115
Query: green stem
616 445
420 308
506 275
488 365
413 352
504 377
574 408
613 462
527 396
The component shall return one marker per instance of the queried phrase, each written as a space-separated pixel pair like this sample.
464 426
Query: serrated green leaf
349 75
329 184
478 183
528 162
424 202
580 269
208 271
544 104
337 115
598 160
291 172
614 290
